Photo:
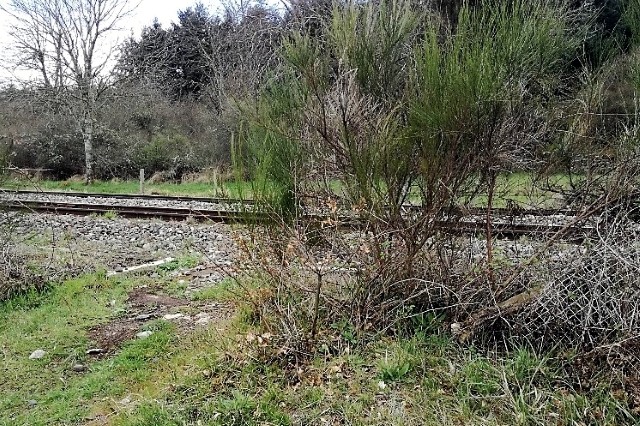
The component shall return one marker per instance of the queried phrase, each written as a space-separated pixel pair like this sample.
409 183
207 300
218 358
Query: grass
445 385
227 290
185 261
520 189
517 188
228 189
46 390
231 374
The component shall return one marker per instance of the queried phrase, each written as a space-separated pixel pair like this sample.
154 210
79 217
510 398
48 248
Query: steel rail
458 227
178 198
463 211
165 213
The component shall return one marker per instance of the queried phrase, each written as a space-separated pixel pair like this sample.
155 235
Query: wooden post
142 181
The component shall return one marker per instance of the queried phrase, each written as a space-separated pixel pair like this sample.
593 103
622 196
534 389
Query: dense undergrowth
400 106
233 373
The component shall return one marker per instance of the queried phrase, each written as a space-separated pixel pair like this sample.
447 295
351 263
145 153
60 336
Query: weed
225 290
346 330
524 367
240 409
150 414
110 215
30 299
186 261
397 362
394 370
213 375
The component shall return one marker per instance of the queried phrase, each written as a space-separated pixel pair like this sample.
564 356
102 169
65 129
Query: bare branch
63 42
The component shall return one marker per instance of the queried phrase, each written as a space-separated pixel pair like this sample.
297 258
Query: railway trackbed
150 197
506 223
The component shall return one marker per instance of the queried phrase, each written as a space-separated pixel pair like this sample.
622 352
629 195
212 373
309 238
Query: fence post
142 181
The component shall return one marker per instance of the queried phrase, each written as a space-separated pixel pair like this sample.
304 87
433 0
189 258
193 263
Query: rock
78 368
108 240
144 317
170 317
32 403
144 334
203 319
37 354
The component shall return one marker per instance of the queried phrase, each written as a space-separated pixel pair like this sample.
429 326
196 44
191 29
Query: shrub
379 113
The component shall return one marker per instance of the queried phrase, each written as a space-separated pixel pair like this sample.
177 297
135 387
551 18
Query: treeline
168 104
178 96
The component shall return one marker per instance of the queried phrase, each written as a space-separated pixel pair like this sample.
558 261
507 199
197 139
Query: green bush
392 106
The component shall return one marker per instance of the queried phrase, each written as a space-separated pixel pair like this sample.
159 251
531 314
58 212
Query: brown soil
110 336
144 297
145 304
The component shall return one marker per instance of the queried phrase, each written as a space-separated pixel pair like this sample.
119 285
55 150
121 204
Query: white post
142 181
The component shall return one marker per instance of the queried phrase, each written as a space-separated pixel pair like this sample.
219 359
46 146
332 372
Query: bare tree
64 42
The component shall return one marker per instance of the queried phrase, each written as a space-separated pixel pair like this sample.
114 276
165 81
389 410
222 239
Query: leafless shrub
15 276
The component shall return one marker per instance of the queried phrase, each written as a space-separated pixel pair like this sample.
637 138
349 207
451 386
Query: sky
166 11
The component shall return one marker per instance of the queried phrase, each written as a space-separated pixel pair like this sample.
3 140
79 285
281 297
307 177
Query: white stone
37 354
170 317
144 334
203 319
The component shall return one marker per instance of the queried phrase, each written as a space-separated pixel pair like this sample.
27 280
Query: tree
206 58
174 59
65 43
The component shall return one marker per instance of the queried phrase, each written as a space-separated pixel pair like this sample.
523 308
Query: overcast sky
165 11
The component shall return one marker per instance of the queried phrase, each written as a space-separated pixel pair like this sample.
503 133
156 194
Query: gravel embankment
84 243
128 202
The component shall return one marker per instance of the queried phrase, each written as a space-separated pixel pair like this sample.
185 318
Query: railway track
466 211
141 212
150 197
471 223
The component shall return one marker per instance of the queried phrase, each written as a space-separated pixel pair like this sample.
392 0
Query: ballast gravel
116 201
85 243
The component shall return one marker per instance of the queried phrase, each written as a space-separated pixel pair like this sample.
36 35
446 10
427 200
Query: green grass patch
520 188
233 373
227 189
47 390
526 191
226 290
185 261
223 378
